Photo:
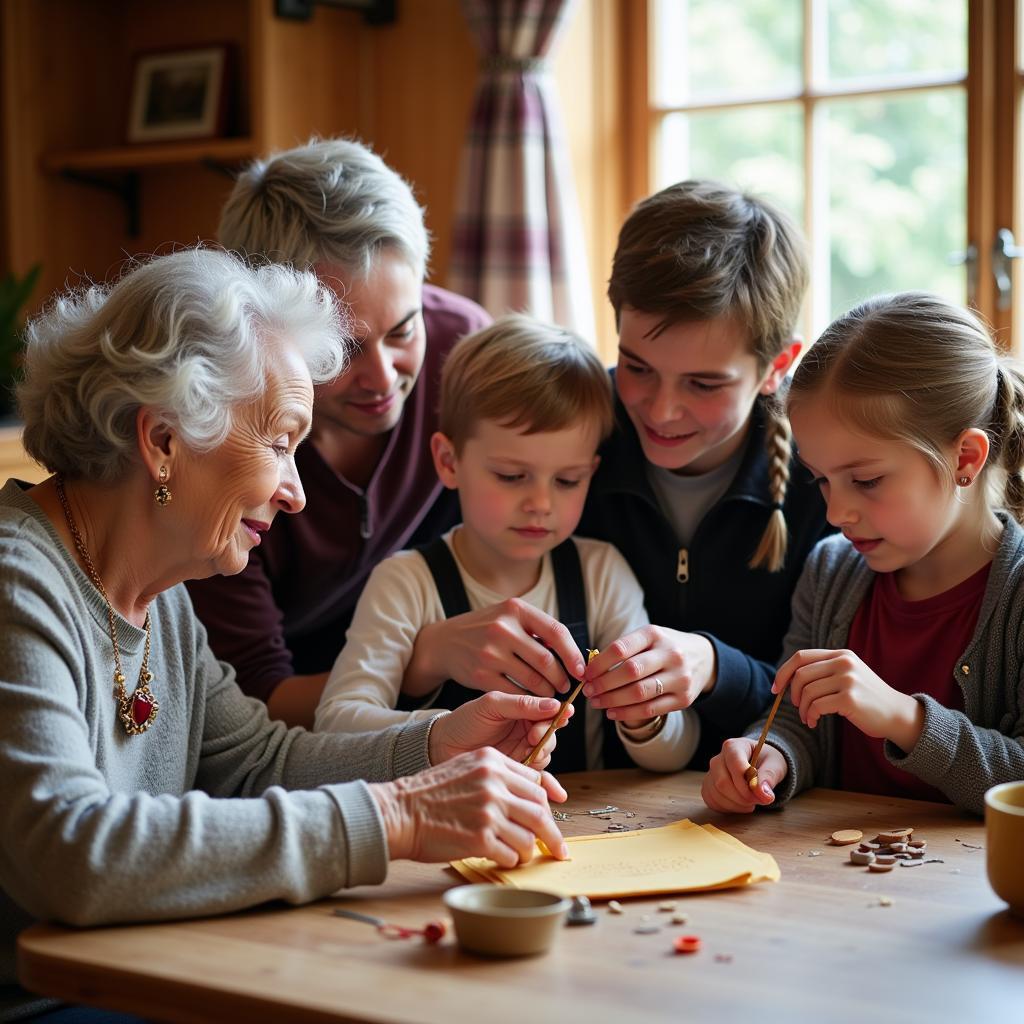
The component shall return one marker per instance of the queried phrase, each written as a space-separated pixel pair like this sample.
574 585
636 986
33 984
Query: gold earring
163 493
963 481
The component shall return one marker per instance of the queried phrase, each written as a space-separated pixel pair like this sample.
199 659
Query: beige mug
1004 842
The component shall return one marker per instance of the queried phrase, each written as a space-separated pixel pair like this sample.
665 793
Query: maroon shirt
287 612
914 646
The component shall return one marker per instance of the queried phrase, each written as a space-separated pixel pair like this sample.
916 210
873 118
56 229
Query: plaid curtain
518 240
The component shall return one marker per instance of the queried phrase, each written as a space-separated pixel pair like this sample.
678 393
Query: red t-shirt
914 647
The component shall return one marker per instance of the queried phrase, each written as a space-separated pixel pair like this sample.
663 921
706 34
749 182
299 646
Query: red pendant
138 710
141 709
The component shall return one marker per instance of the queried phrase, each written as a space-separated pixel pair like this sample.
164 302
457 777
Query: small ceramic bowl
501 921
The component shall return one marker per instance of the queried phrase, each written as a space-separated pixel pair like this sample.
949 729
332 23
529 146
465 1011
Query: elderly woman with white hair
139 782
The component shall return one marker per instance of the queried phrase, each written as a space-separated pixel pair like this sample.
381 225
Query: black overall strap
443 567
570 754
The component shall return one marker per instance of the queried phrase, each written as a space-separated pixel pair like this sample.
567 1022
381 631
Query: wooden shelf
117 169
142 155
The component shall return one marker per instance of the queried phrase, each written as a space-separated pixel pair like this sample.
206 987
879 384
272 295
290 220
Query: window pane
716 49
869 38
758 149
897 188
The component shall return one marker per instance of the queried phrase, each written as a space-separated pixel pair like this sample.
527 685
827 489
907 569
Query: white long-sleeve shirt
400 598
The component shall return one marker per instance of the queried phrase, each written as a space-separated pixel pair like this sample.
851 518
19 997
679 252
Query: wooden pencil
751 773
556 721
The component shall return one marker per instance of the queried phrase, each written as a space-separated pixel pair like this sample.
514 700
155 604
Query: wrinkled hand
624 677
484 649
725 787
838 683
480 804
511 723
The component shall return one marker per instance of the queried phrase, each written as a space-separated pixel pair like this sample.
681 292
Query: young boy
524 407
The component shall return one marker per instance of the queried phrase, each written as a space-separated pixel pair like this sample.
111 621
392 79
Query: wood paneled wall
406 89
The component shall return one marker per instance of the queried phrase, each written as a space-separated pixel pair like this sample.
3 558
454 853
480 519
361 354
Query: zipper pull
683 566
365 529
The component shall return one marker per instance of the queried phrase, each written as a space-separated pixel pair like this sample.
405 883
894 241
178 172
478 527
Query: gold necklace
137 711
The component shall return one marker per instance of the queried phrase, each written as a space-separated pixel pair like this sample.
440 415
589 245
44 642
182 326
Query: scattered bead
581 912
686 943
680 918
667 905
615 907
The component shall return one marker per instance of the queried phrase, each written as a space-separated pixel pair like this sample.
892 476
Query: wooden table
818 945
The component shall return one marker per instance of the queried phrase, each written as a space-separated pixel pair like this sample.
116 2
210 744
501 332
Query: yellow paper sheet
681 857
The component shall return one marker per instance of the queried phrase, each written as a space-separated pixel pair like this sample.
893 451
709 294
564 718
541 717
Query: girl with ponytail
904 658
694 486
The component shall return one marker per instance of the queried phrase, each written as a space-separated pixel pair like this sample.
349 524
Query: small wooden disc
894 835
846 836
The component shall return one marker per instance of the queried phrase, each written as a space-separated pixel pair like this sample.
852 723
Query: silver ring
658 688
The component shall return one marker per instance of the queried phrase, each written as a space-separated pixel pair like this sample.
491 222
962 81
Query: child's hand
649 672
725 787
484 649
839 683
512 724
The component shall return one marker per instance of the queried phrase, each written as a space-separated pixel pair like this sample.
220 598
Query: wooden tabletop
829 942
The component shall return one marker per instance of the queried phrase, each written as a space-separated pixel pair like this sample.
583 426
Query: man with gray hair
335 207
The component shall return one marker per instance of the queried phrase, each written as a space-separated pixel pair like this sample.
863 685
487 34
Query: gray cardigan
97 826
961 753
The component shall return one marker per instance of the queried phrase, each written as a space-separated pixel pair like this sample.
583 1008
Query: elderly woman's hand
480 804
511 723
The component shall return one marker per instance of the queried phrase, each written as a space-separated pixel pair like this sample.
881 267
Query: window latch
1004 249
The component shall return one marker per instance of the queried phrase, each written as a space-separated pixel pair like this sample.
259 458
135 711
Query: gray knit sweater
97 826
961 753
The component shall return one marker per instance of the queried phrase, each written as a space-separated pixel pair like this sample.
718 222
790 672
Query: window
887 130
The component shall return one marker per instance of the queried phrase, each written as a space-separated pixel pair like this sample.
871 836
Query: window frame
994 85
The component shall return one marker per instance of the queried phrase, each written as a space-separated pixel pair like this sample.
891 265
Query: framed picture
178 95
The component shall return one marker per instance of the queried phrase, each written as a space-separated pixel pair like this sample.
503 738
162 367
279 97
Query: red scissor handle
433 933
